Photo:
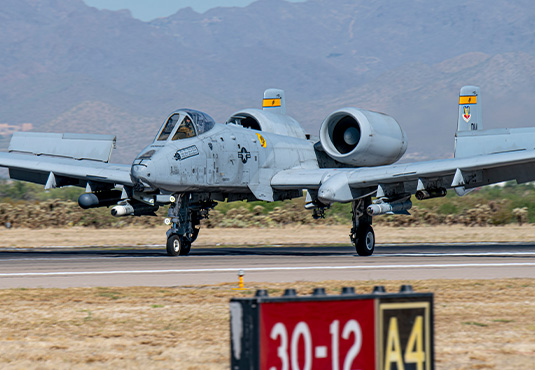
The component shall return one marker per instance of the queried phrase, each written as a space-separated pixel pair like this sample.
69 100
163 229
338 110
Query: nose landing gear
185 215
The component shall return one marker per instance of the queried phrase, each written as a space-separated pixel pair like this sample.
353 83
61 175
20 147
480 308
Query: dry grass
479 324
483 324
27 238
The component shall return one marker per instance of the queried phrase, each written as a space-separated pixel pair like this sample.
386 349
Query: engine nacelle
359 137
262 120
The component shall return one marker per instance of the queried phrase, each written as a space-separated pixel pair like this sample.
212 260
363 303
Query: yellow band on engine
468 99
271 103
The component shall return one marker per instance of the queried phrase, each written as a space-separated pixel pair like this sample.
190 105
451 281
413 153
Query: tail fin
469 109
274 101
469 142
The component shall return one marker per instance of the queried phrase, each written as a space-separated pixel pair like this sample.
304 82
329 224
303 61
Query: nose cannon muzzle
141 174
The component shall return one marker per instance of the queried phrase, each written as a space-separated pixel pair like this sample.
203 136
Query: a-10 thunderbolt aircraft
264 154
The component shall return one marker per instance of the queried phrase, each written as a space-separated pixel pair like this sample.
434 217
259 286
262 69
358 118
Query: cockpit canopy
185 123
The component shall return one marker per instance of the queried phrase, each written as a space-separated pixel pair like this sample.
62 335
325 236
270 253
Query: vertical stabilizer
469 109
274 101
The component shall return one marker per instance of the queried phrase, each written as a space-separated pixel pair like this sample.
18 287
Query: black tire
365 240
175 245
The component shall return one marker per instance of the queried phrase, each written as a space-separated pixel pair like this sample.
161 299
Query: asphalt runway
76 267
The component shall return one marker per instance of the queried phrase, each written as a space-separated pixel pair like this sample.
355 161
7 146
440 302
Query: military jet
264 154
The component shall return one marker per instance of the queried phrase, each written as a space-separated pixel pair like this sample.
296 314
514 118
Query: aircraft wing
56 160
462 174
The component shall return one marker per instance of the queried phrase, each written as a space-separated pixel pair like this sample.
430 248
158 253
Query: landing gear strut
362 235
185 215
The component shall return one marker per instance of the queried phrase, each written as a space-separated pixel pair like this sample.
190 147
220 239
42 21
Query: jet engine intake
359 137
260 120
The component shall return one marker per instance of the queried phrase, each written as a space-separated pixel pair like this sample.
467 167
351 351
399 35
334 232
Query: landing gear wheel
176 245
365 240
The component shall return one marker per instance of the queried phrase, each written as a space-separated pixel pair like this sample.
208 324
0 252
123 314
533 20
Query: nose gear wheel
178 246
185 214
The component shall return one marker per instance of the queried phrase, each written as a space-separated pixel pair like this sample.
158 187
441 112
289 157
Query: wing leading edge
57 160
345 185
66 171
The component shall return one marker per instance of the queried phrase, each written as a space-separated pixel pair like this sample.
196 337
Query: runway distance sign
339 332
336 335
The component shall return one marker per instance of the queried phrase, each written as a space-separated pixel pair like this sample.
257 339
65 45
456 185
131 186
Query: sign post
341 332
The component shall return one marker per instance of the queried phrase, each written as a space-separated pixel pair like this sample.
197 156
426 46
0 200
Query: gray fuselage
226 159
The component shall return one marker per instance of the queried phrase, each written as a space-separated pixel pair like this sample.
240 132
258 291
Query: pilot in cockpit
185 130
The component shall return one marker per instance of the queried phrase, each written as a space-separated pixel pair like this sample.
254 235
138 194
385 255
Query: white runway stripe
465 254
261 269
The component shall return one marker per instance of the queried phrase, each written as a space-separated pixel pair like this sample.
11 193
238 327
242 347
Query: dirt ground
336 234
479 324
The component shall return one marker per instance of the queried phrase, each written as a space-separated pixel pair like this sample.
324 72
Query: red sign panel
338 335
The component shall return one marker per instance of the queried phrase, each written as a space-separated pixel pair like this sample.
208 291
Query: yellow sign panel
468 99
405 335
271 103
262 140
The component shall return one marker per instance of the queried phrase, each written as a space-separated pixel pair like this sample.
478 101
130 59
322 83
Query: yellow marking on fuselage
263 142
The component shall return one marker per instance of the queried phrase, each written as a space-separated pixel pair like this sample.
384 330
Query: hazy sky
147 10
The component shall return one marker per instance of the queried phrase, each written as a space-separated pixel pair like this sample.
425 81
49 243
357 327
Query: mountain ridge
407 59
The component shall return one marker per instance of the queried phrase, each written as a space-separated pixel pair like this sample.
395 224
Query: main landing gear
362 235
185 215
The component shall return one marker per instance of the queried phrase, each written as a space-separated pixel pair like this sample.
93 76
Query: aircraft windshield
168 127
185 130
202 121
192 123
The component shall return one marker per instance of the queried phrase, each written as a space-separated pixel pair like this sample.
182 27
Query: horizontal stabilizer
470 138
500 140
75 146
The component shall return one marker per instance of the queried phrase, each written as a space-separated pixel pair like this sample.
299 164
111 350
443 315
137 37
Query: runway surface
75 267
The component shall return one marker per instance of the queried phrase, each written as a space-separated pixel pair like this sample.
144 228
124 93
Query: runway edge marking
260 269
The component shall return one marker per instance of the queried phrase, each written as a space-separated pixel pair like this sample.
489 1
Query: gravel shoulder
479 324
335 234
